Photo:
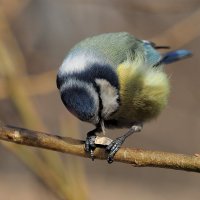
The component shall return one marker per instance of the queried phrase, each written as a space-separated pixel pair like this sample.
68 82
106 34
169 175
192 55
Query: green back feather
112 46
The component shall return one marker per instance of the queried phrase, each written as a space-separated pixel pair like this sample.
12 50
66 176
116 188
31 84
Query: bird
114 81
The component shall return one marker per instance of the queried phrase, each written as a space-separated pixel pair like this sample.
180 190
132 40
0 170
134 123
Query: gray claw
113 147
90 145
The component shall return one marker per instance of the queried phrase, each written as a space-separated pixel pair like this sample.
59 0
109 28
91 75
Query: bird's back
113 47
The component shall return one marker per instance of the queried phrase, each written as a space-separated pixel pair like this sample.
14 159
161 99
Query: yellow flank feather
143 92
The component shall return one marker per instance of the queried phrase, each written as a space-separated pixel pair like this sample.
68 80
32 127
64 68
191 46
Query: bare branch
136 157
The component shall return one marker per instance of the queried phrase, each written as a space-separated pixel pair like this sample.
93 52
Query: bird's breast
143 93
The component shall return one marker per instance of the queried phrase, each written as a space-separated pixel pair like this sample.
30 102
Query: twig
138 158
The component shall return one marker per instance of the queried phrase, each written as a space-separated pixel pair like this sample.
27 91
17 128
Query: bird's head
89 88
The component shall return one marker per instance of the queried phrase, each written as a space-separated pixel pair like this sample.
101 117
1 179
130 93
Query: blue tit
115 80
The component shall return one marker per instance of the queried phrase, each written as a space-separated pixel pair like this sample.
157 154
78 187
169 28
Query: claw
113 147
90 145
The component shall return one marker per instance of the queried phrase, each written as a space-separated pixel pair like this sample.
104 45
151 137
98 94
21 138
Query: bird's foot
113 147
90 144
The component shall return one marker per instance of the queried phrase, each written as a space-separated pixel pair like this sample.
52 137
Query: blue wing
154 58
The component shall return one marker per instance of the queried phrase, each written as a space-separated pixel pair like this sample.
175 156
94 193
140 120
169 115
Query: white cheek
109 96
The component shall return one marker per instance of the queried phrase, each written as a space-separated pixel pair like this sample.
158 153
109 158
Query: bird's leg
115 145
90 142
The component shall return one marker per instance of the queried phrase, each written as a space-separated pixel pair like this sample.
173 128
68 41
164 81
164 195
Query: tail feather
174 56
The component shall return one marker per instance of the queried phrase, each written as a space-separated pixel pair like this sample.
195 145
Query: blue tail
174 56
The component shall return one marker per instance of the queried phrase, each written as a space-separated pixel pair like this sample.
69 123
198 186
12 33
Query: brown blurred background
35 36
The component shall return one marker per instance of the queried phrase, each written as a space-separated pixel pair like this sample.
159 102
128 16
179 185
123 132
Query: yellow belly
143 92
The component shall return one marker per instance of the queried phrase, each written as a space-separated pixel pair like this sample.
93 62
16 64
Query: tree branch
136 157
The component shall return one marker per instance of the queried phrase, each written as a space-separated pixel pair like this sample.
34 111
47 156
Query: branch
136 157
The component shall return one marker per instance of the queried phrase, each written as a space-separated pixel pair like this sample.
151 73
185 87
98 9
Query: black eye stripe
90 74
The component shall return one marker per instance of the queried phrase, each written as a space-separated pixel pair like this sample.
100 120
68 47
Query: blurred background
35 36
